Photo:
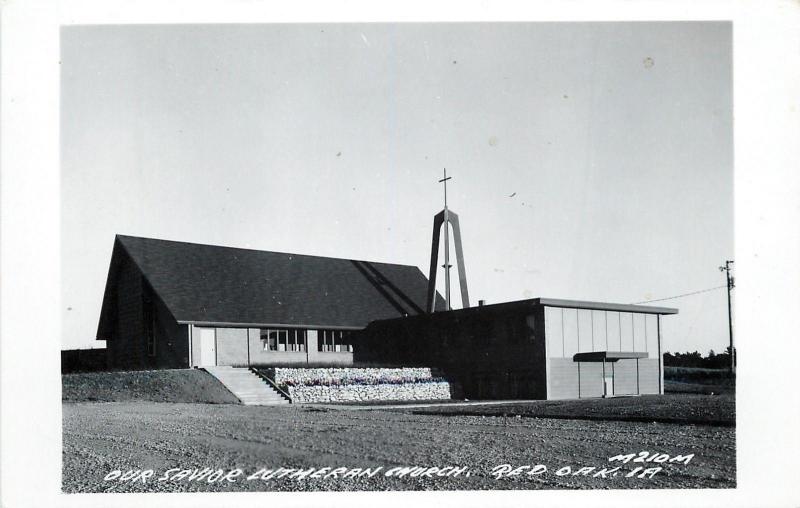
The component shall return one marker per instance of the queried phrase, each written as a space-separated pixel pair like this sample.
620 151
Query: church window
329 341
283 339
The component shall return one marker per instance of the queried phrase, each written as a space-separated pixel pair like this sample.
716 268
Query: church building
171 304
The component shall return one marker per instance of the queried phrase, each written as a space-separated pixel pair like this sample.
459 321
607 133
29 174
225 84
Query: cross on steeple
444 180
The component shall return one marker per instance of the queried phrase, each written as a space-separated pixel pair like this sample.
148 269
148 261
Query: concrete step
248 387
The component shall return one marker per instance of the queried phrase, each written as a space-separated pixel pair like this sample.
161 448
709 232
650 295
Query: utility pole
729 277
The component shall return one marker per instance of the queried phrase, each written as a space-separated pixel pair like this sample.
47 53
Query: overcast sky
590 161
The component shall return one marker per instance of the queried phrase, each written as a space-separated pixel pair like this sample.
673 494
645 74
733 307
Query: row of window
284 339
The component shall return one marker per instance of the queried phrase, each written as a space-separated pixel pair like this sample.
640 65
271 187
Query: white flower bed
345 376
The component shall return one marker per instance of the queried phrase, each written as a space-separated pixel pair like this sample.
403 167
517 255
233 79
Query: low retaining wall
434 390
354 384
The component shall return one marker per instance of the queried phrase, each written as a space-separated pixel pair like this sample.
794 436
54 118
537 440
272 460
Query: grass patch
698 380
697 374
177 385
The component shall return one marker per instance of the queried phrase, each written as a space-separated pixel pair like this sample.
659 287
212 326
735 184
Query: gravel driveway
100 438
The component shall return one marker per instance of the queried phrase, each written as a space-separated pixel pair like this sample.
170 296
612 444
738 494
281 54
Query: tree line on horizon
695 359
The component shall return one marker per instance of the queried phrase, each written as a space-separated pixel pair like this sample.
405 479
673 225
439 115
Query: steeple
447 219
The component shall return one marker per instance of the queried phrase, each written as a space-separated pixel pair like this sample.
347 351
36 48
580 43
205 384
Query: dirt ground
100 438
677 408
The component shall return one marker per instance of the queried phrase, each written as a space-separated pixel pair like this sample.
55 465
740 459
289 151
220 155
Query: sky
590 161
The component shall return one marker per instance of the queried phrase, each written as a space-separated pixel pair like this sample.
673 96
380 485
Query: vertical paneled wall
626 331
585 337
651 330
554 331
613 331
599 336
571 331
639 330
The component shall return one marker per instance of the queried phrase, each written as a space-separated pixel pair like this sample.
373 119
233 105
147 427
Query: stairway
247 386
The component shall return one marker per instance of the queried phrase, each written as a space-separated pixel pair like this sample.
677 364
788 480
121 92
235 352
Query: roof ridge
260 250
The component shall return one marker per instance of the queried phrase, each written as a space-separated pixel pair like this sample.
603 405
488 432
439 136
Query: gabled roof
211 284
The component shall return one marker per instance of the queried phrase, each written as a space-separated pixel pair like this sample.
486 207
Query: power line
681 296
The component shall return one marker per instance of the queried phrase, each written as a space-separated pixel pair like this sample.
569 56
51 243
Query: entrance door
208 347
609 386
312 353
608 380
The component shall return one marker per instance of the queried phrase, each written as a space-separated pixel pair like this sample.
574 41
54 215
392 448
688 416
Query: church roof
209 284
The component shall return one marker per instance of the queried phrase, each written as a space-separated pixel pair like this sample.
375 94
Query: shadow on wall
397 298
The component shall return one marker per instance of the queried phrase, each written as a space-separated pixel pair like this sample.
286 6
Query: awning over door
607 356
